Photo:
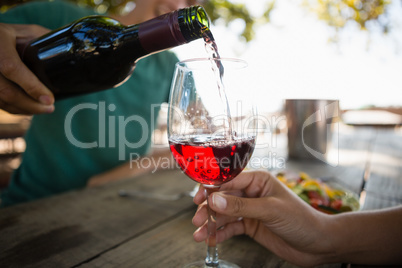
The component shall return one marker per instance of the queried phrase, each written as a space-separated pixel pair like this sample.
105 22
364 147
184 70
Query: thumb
238 206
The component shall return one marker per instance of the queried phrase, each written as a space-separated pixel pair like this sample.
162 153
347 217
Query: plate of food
328 197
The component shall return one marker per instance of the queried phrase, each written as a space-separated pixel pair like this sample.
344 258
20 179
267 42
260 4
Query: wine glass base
201 264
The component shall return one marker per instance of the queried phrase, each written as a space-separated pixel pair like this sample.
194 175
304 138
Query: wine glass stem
212 253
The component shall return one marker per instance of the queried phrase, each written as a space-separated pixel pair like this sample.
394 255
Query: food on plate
326 197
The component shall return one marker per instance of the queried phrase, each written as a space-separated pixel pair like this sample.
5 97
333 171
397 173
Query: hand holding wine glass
257 204
211 128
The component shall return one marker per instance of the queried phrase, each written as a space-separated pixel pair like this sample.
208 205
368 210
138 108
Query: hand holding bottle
21 92
97 53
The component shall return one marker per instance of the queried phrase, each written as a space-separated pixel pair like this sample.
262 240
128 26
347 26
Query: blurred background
347 49
344 49
350 50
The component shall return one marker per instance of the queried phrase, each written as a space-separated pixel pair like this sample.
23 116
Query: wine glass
211 129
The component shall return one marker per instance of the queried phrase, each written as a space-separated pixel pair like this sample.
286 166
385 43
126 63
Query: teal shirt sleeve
51 15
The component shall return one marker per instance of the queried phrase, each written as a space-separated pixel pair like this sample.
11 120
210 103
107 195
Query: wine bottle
96 52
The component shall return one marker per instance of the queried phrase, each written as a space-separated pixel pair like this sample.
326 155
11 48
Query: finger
12 68
201 215
15 100
200 196
240 207
230 230
25 33
252 183
11 109
201 234
223 233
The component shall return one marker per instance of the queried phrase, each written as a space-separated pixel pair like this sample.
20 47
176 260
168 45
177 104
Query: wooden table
98 228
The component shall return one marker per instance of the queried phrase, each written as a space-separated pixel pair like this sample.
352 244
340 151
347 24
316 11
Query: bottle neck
193 22
173 29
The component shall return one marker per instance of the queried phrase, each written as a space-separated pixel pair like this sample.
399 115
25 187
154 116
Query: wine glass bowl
211 128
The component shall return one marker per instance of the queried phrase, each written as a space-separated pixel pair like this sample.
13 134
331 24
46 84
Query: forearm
367 237
123 171
149 163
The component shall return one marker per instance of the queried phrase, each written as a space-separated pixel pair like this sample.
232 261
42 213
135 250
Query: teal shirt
89 134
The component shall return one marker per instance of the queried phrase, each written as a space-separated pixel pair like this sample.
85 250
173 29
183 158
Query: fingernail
218 201
44 99
50 109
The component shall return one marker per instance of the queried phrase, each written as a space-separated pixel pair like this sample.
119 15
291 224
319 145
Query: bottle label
161 33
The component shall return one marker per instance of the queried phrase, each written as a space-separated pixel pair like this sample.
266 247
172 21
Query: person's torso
92 133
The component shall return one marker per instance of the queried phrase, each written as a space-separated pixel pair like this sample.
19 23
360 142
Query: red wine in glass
209 145
212 161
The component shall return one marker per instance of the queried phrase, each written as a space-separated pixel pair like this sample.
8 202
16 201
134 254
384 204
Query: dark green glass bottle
96 52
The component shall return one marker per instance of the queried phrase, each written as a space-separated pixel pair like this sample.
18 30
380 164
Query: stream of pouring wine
218 69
